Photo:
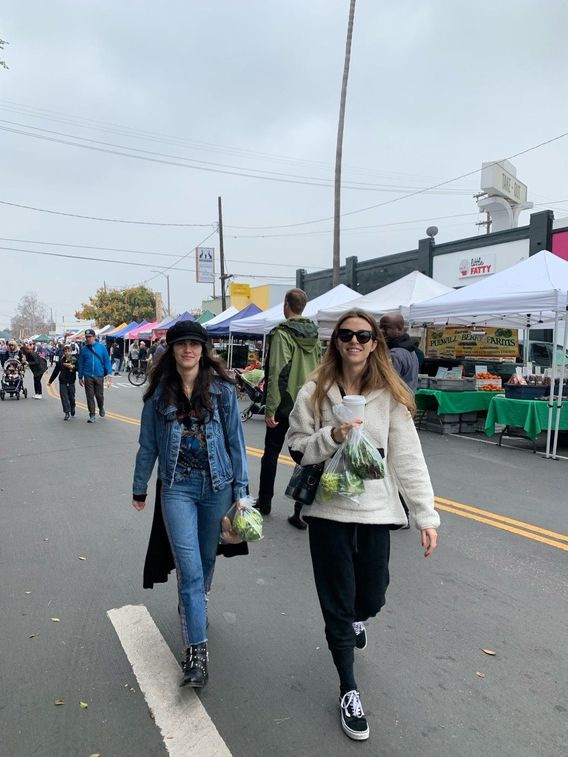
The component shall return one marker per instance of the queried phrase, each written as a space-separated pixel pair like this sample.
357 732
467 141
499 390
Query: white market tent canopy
396 296
530 294
261 323
222 316
526 295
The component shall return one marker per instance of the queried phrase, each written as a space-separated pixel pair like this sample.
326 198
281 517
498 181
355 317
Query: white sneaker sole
355 735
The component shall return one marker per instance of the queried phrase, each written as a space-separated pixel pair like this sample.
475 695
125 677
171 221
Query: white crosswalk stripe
186 728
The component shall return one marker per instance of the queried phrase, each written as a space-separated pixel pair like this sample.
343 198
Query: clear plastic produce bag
337 479
362 458
244 519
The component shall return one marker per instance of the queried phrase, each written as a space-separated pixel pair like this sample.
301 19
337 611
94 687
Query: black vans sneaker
360 635
353 720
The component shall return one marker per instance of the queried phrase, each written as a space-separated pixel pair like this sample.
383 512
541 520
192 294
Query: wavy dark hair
379 372
164 374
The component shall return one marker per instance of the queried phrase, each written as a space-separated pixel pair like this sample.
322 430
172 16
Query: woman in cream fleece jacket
350 541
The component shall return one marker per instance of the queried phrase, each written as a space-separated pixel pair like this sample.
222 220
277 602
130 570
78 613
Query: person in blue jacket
94 366
191 425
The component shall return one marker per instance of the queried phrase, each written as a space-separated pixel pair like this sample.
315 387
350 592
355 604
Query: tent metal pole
263 348
551 394
560 388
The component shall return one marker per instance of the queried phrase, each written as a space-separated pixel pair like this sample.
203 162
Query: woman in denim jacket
191 424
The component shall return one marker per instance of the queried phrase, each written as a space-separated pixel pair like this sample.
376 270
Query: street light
168 282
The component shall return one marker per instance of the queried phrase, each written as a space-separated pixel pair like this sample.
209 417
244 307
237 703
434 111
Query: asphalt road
497 582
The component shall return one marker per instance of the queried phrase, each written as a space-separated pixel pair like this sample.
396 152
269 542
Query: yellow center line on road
527 530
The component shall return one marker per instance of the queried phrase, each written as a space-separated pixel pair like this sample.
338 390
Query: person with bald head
402 349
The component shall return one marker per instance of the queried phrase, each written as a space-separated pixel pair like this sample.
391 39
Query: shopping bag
245 520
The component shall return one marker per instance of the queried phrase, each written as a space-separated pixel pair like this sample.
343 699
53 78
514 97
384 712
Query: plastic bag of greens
362 458
338 480
245 520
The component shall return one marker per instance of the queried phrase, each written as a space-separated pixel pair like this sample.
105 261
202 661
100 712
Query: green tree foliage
30 318
118 305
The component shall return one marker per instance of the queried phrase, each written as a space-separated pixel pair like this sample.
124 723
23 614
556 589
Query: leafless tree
3 62
30 318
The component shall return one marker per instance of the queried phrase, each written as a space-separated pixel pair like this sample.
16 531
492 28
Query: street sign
205 265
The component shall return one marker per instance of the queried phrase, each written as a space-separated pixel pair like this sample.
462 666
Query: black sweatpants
273 443
351 571
67 394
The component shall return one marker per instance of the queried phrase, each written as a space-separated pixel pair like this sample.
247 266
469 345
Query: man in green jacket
294 352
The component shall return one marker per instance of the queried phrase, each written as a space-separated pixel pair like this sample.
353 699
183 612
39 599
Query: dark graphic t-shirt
193 446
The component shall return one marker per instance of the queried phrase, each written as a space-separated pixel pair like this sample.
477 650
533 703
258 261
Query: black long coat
159 559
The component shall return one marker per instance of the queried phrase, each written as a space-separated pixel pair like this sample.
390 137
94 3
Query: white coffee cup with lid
355 404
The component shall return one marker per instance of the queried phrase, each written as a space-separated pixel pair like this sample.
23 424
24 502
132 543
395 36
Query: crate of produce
453 385
525 392
442 428
489 385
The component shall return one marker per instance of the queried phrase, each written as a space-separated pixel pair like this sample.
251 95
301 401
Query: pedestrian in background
405 361
66 369
191 425
94 366
294 351
116 357
38 366
349 540
3 352
402 349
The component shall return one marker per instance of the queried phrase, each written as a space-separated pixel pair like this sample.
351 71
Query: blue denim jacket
160 436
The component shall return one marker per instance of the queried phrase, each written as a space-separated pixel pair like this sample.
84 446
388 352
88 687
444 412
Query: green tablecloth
530 415
453 402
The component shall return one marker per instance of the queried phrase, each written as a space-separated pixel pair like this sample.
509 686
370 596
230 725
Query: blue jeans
192 514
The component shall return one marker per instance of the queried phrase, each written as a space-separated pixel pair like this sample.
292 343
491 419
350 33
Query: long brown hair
164 373
378 373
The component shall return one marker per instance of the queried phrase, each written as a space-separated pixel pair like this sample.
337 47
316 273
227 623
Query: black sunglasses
363 336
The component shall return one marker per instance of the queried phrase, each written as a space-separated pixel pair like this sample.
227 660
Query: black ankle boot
195 672
295 520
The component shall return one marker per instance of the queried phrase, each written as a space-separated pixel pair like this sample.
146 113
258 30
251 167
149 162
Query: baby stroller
12 383
252 384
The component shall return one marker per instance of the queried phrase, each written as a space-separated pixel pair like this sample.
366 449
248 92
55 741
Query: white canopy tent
398 295
231 310
530 294
261 323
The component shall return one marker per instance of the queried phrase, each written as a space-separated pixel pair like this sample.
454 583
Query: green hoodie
294 352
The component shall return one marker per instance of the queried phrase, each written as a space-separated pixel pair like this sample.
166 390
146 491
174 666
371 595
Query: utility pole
487 222
222 256
339 149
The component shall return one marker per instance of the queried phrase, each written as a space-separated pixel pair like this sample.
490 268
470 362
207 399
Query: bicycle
137 374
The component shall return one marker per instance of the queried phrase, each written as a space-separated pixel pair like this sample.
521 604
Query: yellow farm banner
470 341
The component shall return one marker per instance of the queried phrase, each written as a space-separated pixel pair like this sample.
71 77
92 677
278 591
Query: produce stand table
457 411
453 402
529 415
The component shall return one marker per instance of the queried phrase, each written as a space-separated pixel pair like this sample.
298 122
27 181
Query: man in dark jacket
94 365
66 369
404 360
402 349
294 352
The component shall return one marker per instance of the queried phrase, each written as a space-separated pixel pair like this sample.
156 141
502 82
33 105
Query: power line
124 262
173 160
97 218
139 252
109 127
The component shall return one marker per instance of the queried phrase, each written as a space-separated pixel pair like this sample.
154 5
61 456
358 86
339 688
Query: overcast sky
252 87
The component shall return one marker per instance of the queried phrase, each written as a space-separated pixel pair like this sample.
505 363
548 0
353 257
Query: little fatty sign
478 265
465 341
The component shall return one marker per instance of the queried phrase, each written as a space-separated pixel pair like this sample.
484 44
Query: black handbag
304 483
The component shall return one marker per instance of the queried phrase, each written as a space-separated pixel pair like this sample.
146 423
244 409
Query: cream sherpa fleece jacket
390 426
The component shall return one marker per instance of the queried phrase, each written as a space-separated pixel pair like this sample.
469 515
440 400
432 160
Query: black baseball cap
89 332
186 330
